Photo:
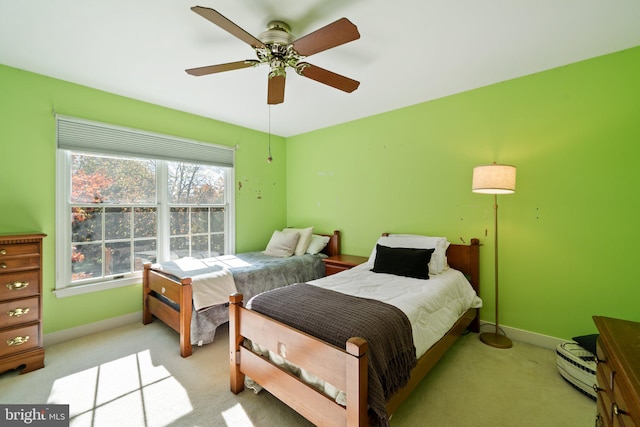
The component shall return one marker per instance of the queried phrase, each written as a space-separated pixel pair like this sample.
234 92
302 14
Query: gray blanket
261 273
334 318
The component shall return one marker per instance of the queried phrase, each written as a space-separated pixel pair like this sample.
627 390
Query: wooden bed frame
345 368
180 292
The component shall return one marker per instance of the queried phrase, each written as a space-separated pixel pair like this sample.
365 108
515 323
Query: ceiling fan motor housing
279 52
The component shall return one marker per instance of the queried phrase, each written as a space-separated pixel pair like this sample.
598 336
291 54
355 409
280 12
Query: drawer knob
598 360
3 251
18 341
18 312
596 388
617 410
16 286
3 265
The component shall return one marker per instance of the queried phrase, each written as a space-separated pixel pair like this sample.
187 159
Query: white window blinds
93 137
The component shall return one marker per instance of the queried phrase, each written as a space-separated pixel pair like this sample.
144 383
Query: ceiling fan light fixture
277 32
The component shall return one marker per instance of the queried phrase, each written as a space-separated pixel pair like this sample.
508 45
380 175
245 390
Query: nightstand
337 263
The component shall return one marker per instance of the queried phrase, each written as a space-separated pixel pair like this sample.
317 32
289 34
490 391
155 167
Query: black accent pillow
408 262
588 342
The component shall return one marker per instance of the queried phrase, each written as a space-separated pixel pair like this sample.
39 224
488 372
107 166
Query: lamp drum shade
494 179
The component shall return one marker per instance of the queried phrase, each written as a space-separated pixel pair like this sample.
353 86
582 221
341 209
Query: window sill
96 287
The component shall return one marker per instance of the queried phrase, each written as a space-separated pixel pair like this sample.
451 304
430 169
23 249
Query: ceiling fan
278 48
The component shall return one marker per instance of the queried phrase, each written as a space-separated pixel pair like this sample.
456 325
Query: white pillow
303 242
438 260
282 245
317 244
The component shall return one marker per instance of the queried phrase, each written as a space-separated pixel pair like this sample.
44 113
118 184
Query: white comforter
432 306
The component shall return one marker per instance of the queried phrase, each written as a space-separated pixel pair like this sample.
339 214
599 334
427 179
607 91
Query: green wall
568 236
27 162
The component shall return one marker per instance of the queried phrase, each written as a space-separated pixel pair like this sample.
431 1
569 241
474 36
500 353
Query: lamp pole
495 339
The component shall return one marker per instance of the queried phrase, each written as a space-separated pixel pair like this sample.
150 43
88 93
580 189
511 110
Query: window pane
195 184
117 223
179 247
217 244
179 221
145 251
103 179
86 261
145 222
86 224
118 258
217 220
200 246
199 220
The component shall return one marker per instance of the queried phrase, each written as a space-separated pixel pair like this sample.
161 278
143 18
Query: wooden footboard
180 292
345 368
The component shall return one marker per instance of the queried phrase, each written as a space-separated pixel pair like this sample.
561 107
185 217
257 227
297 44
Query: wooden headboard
333 247
466 259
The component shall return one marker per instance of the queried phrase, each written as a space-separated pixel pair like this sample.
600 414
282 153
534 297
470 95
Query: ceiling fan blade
275 93
211 69
327 77
339 32
227 25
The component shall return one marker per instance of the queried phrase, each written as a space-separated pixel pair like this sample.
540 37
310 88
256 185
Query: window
117 211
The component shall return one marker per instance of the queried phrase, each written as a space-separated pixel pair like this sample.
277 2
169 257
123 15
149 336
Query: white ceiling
410 51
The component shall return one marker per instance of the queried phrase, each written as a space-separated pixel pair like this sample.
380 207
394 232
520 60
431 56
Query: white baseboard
544 341
539 340
91 328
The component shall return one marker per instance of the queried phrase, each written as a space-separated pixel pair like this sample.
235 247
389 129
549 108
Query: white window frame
64 287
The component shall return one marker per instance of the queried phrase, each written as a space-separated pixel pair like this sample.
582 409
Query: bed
169 295
345 367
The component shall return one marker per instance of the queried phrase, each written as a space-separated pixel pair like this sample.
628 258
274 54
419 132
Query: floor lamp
495 179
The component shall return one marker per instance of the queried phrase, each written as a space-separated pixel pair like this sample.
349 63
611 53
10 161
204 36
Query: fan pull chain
269 159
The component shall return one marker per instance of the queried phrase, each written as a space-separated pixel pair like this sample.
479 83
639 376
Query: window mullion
163 231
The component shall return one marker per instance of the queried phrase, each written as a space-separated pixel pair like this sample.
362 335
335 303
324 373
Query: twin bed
176 292
340 379
345 368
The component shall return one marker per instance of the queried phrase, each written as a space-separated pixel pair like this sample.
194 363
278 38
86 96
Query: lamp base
495 340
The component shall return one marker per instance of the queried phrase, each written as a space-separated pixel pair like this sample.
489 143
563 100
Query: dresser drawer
19 263
620 408
19 339
19 285
20 311
18 249
604 371
604 408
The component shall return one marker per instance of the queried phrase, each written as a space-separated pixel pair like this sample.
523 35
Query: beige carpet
134 376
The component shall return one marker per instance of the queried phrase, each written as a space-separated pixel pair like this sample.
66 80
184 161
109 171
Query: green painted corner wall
568 236
27 161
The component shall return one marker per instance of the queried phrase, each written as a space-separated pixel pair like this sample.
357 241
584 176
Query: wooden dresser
618 372
21 302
